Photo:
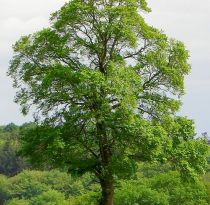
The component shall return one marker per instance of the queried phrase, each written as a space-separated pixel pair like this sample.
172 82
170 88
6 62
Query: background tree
10 163
154 184
105 87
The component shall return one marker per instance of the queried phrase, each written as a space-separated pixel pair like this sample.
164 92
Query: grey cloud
188 21
26 9
18 18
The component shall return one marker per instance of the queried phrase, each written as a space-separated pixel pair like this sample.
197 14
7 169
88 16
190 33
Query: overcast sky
185 20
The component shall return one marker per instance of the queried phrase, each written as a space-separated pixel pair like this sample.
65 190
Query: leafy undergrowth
58 188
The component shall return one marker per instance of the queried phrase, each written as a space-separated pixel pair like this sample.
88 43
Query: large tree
105 88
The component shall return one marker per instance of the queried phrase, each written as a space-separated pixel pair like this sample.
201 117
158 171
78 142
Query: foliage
105 88
131 193
3 190
88 198
36 187
18 202
178 191
54 187
10 163
206 181
31 183
50 197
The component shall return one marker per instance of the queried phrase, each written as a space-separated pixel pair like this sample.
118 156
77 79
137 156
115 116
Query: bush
54 188
135 193
50 197
179 191
89 198
18 202
3 190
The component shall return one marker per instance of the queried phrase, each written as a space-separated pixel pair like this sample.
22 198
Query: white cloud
189 21
18 18
26 9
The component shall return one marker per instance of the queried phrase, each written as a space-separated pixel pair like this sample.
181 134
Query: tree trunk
107 186
105 174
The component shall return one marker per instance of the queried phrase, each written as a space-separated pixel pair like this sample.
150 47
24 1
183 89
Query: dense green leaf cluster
163 187
40 188
105 88
153 184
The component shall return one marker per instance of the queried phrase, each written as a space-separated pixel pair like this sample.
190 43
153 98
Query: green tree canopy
105 88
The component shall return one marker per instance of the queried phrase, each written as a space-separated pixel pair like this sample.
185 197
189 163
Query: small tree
10 163
104 87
